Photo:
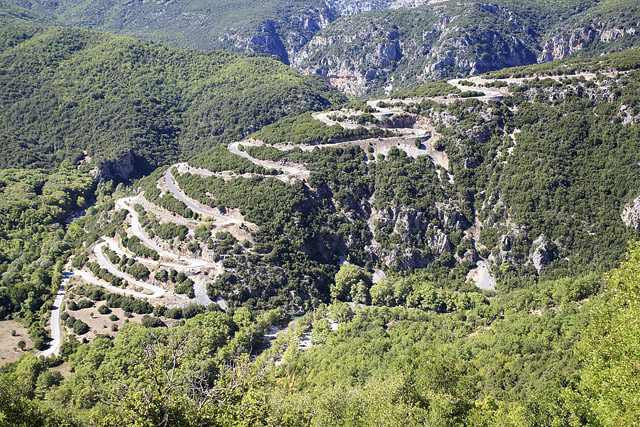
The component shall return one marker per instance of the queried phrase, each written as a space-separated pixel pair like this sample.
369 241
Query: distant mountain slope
369 47
65 90
276 27
354 7
11 14
391 50
399 49
279 27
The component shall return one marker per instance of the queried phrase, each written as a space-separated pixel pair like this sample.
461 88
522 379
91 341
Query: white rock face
631 214
482 276
543 253
569 41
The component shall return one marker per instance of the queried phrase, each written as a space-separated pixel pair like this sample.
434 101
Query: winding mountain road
156 291
140 200
192 204
288 170
56 328
404 141
490 94
115 247
324 118
137 231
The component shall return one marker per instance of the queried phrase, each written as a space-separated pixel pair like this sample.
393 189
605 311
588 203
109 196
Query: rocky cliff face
631 215
606 27
572 41
120 169
543 253
399 49
352 75
281 37
354 7
476 54
266 40
386 51
413 226
286 35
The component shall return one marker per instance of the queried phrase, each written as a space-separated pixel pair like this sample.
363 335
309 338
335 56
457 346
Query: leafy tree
152 322
162 275
18 409
611 349
80 328
382 293
347 278
360 292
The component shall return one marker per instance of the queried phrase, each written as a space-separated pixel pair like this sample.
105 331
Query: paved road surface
191 204
140 200
137 231
115 247
324 118
489 94
56 329
289 170
156 291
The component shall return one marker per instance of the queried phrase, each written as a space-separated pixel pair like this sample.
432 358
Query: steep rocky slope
608 27
498 181
380 52
393 50
355 7
277 28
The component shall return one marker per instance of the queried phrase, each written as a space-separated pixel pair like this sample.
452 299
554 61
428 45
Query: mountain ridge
373 47
134 103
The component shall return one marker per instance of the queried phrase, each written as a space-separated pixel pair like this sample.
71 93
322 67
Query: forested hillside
72 93
530 185
277 27
34 205
193 238
11 14
546 355
372 47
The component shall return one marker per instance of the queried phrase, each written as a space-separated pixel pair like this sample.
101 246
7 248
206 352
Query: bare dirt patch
63 369
100 324
9 351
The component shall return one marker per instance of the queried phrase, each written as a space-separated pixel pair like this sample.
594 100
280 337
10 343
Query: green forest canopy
64 91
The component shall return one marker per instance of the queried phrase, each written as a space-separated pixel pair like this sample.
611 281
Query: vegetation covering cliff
513 183
546 355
